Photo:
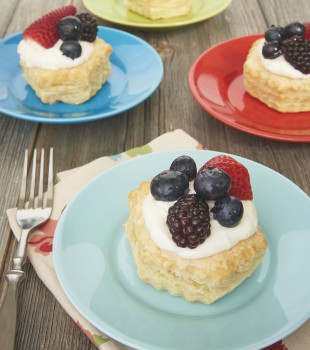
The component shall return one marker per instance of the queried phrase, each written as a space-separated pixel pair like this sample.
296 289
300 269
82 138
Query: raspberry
296 51
238 173
307 30
189 221
90 26
44 29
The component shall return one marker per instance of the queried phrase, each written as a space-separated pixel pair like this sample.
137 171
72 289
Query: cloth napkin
40 243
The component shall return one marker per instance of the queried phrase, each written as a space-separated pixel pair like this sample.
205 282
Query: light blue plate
137 70
95 267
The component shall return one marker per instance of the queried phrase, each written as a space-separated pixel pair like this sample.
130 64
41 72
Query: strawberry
238 173
307 30
44 29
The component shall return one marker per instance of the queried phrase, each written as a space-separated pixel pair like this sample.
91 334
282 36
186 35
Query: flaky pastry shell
73 85
278 92
156 9
197 280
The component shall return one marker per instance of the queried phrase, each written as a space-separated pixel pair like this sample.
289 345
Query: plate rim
181 23
279 335
97 116
231 123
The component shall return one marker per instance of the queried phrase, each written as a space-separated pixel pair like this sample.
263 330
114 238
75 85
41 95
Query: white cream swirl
220 239
280 66
34 55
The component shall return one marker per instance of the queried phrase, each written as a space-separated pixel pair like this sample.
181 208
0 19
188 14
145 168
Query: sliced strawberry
307 32
238 173
44 29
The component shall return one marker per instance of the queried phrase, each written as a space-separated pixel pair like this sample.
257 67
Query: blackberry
90 26
189 221
296 51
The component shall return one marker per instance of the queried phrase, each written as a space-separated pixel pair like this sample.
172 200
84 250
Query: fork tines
33 184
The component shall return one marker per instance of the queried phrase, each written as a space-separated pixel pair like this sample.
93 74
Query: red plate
216 82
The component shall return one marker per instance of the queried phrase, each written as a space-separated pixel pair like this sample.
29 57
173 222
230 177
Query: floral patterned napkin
40 243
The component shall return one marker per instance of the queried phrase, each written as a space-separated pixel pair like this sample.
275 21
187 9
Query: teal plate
95 267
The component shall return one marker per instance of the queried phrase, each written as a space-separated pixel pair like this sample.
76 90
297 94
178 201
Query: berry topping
228 211
69 28
238 173
169 185
297 52
274 33
186 165
71 49
212 183
294 28
272 49
284 41
44 29
90 26
189 221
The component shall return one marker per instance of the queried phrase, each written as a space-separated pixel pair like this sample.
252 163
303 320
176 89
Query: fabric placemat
40 242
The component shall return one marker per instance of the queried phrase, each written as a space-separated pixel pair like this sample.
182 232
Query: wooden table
42 323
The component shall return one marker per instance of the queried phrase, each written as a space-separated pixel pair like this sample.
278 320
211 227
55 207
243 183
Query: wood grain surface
42 323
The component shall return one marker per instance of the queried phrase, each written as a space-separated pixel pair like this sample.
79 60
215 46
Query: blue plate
95 267
137 70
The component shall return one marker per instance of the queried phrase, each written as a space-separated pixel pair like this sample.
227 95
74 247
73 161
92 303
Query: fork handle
20 252
8 310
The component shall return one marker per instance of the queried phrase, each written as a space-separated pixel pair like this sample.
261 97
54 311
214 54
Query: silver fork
29 216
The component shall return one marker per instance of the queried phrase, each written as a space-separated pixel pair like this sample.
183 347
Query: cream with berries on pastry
156 9
196 234
62 57
277 68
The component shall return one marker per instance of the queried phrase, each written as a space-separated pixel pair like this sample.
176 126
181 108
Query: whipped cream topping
221 238
280 66
34 55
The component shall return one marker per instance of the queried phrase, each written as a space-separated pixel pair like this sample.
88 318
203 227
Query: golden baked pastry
156 9
73 85
197 280
278 92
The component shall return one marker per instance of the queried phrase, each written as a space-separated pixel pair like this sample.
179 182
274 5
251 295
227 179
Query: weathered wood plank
282 12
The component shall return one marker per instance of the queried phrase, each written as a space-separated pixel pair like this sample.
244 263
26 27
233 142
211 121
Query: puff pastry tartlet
73 85
278 92
156 9
203 279
276 73
62 57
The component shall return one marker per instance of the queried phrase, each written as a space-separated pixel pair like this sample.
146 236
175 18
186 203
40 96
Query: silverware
29 216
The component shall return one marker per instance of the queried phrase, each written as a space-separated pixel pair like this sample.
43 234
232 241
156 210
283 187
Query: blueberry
274 34
212 183
186 165
169 185
70 28
71 49
272 50
294 28
228 211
